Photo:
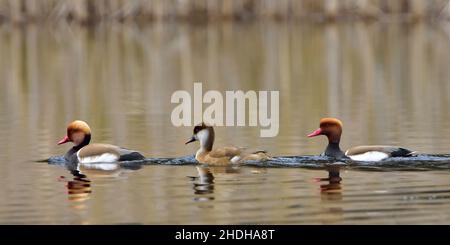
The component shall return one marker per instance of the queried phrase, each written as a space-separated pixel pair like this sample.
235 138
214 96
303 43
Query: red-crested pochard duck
220 156
79 133
332 128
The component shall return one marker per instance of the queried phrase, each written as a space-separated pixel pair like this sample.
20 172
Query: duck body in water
79 133
332 128
220 156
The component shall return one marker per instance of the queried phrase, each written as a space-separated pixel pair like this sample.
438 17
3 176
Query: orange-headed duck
79 133
332 128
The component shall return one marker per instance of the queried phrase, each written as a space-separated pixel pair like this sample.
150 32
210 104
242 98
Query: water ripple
421 162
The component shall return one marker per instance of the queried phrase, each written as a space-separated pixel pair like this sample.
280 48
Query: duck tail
403 152
413 153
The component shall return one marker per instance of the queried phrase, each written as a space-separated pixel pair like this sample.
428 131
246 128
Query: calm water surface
389 83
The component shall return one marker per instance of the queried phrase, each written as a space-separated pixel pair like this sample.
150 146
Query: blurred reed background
92 11
389 83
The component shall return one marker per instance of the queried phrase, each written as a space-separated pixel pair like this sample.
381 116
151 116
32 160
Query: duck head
330 127
78 132
204 134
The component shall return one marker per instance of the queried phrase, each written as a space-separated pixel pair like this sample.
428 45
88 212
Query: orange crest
330 121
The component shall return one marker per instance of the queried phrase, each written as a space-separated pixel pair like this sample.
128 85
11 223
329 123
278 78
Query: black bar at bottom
226 233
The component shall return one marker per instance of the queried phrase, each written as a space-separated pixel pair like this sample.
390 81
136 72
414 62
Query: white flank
370 156
103 158
101 166
235 159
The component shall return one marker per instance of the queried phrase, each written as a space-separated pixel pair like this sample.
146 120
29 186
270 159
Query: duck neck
83 143
206 139
333 150
76 148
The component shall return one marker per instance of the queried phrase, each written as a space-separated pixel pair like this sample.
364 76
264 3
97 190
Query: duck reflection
332 189
203 184
79 188
331 194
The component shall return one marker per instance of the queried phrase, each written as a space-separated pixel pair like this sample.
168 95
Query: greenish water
389 83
